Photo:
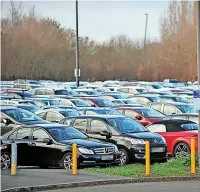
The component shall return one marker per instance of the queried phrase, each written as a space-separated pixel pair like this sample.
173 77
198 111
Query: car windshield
66 133
127 125
190 126
141 90
157 86
54 102
155 99
182 99
30 108
92 93
80 103
104 103
69 113
130 101
186 108
22 115
108 112
150 113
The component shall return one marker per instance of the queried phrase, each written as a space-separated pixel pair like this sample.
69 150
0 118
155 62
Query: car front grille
106 150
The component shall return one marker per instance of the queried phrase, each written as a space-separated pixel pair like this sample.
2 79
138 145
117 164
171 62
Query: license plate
157 149
107 157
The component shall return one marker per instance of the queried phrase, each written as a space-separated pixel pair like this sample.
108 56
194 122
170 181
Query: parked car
97 111
55 115
185 116
173 108
17 94
127 134
13 117
178 134
142 115
51 145
87 92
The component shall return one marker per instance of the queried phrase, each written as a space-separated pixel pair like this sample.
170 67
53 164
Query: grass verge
174 167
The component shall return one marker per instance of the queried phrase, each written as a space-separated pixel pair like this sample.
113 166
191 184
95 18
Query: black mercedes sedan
126 133
46 145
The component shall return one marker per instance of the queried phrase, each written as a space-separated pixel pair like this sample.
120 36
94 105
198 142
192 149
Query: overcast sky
101 20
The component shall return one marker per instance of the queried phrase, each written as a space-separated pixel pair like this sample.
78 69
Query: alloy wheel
67 161
181 150
123 158
5 161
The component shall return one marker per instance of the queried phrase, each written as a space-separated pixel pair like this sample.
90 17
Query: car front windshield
182 99
69 113
186 108
155 99
54 102
66 133
130 101
30 108
190 126
157 86
127 125
109 112
80 103
104 103
141 90
150 113
22 115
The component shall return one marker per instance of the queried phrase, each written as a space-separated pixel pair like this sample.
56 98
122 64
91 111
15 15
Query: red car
98 102
178 135
142 115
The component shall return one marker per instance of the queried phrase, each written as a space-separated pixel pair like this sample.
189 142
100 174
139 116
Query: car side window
121 111
130 113
171 127
169 109
125 90
90 113
144 100
22 133
132 91
156 106
39 134
39 103
53 116
97 126
157 128
80 124
42 115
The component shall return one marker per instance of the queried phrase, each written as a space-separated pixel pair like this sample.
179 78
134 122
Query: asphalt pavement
193 186
27 177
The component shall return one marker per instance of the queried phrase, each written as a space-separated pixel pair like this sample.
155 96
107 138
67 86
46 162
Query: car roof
184 114
175 121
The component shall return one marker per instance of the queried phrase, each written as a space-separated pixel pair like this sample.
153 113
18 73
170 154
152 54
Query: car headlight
136 141
85 151
163 140
116 149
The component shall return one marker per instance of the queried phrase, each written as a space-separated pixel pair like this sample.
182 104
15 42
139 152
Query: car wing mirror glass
138 117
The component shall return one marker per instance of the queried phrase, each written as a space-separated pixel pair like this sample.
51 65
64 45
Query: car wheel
43 166
67 161
5 161
181 150
124 159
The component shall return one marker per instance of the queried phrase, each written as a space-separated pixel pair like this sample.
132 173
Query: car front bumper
97 160
138 152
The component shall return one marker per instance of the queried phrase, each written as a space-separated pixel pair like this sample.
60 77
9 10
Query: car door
41 151
23 149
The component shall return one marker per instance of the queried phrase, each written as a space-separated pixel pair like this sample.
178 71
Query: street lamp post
198 65
77 70
145 35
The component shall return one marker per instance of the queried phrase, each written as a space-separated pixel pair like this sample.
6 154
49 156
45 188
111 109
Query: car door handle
32 144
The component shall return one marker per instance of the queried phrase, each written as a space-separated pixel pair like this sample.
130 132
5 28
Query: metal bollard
147 155
74 159
193 163
13 159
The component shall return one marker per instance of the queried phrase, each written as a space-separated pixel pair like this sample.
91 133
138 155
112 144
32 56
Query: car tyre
67 161
5 161
181 150
125 158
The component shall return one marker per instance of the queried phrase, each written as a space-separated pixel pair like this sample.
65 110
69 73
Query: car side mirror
106 133
138 117
6 121
48 141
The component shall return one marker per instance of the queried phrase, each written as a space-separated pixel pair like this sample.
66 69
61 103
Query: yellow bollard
147 154
193 166
74 159
13 159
